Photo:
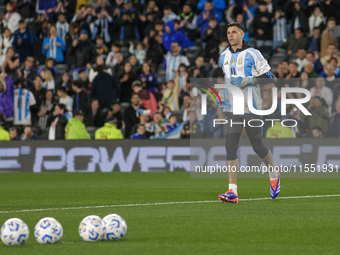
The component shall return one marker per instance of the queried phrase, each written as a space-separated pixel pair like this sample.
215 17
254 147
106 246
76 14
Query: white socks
273 175
233 187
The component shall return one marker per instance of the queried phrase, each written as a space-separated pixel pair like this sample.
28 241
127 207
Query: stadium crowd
113 69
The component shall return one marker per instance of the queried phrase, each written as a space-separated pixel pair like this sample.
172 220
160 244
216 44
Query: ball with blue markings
14 232
91 228
115 227
48 230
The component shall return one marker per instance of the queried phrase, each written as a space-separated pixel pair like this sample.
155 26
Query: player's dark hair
62 107
317 128
37 76
310 52
331 19
61 88
235 24
294 63
167 7
81 70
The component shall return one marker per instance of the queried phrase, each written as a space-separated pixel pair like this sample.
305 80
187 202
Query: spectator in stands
119 64
138 51
170 95
317 132
334 124
109 131
26 73
75 128
131 114
39 94
105 88
26 8
62 26
101 47
315 20
212 39
67 83
53 45
80 19
188 21
23 100
27 134
111 59
126 77
6 97
11 62
279 131
135 66
148 99
128 20
262 26
6 39
4 135
279 23
320 114
316 62
140 134
280 72
11 18
168 14
103 25
57 123
206 14
185 107
172 35
169 126
328 37
81 101
65 99
45 109
99 64
309 69
49 65
154 54
332 51
298 41
301 59
48 79
323 92
173 59
115 112
293 70
217 6
192 128
84 81
84 52
198 70
71 35
23 41
13 134
315 41
298 12
149 79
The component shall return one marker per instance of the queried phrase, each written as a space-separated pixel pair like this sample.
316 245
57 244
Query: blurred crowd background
113 69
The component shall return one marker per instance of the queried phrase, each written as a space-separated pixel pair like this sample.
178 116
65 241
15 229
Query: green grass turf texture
289 226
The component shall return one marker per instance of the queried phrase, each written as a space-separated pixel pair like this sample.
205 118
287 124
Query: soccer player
243 66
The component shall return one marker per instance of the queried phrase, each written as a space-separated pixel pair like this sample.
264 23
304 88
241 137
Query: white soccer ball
14 232
115 227
48 230
91 228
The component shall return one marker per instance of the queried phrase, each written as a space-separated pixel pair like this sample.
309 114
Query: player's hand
241 82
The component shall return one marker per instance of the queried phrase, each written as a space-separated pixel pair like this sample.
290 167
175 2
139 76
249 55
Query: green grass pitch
282 226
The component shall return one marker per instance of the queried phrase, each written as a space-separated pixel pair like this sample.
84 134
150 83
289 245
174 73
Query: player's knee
260 149
231 152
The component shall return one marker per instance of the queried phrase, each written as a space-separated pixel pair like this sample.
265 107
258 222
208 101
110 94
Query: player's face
235 36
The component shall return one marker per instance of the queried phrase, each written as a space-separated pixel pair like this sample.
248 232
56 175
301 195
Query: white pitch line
162 203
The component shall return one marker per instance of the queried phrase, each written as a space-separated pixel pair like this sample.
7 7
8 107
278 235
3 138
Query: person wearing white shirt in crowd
11 18
322 91
64 98
301 60
5 42
315 20
23 100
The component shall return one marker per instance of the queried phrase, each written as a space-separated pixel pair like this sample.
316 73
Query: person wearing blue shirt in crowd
206 14
172 35
140 134
171 125
218 7
53 46
23 41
